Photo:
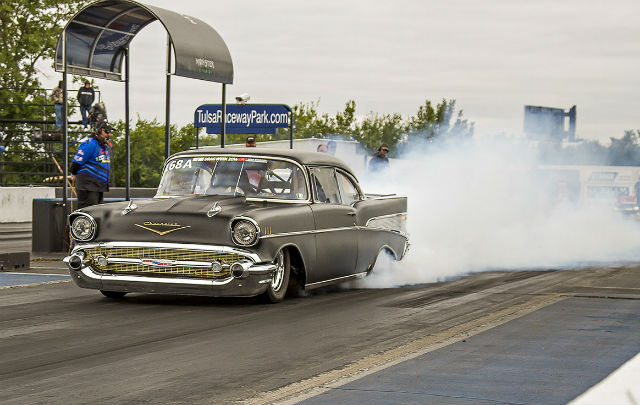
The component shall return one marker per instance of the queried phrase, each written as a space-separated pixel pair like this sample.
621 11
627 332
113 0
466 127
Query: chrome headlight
245 232
83 228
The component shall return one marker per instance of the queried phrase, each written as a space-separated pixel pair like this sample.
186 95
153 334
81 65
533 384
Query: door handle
353 214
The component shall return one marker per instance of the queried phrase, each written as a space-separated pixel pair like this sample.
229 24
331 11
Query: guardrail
31 143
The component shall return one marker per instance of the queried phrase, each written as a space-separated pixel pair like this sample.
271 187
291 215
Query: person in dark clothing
86 95
91 166
379 161
58 99
98 113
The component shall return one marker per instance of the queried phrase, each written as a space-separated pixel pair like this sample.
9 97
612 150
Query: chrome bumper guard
254 281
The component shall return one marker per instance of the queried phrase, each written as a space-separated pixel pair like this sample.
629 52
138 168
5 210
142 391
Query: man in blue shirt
91 166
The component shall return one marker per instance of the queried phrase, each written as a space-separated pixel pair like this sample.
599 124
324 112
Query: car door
336 235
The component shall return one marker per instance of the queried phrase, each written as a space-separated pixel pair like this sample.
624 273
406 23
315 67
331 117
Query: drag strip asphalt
64 345
547 357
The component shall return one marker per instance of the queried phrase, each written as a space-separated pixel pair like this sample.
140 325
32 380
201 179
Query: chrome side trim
312 232
181 246
335 280
275 200
394 231
384 216
382 196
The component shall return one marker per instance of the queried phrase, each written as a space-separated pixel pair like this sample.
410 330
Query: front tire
280 282
113 294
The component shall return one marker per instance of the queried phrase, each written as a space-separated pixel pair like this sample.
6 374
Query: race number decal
179 164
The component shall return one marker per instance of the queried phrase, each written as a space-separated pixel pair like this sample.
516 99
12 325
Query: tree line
30 30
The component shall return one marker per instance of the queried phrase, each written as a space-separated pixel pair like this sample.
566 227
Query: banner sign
243 118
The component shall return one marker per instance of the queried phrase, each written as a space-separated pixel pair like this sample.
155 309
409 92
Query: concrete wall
16 202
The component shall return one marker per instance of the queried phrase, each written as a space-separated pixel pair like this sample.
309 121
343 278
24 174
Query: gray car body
328 243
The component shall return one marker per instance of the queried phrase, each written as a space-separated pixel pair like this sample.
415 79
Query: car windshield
230 175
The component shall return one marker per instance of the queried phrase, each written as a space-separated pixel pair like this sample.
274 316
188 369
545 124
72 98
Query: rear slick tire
279 284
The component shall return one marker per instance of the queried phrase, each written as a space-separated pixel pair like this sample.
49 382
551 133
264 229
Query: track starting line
19 279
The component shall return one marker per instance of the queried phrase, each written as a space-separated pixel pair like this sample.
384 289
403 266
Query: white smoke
482 205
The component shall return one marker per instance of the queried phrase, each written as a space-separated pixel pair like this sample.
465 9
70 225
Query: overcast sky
492 56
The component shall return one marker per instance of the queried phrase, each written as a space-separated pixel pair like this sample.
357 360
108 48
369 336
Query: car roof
300 156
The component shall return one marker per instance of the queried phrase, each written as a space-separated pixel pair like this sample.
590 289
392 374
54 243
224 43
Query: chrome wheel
277 288
278 275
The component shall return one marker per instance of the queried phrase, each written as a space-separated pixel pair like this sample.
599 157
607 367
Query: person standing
97 113
58 99
86 95
379 161
91 166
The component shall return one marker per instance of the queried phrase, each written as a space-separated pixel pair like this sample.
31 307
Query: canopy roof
99 34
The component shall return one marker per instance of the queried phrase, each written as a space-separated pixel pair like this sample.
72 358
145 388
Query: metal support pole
197 129
65 143
167 122
291 131
127 193
223 131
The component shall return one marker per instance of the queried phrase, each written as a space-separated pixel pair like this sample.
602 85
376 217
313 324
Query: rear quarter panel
382 221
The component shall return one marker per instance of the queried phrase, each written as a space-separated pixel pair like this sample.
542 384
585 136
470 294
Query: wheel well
383 249
388 250
297 265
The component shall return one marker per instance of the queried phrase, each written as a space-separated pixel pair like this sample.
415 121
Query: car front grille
226 259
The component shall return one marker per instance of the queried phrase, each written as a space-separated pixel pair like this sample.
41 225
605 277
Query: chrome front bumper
254 280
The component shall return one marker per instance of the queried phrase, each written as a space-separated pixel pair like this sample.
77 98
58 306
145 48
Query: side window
348 191
325 185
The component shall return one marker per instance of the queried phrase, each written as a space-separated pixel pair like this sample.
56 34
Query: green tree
147 153
308 123
344 122
626 150
377 129
29 31
430 122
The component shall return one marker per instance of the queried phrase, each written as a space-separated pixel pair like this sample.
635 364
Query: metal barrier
32 143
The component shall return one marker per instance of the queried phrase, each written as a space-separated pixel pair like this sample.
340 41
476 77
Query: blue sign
243 118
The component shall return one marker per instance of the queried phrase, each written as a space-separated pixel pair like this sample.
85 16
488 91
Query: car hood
178 220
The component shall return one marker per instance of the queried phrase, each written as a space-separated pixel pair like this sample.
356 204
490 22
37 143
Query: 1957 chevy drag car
234 222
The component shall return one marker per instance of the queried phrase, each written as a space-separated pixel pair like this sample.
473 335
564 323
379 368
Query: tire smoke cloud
478 205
